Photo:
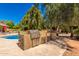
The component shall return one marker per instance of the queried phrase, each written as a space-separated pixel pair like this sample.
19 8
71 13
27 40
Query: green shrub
0 27
64 28
76 31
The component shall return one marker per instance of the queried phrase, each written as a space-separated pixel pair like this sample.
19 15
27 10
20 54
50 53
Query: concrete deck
10 48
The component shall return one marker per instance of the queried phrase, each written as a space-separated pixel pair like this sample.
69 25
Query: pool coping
8 34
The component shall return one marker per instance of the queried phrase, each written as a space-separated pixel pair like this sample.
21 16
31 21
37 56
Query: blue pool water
11 37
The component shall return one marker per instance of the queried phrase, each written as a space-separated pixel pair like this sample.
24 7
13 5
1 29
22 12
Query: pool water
11 37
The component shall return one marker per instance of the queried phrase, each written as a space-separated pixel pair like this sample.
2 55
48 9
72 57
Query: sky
14 11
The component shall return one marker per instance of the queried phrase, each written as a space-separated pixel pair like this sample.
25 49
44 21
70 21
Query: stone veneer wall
26 42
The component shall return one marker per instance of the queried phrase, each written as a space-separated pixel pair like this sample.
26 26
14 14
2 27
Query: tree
59 14
32 19
75 20
53 14
10 24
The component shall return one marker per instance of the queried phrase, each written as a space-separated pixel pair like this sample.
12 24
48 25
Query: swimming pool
11 37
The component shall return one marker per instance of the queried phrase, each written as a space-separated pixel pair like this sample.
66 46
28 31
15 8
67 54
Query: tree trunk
57 31
71 29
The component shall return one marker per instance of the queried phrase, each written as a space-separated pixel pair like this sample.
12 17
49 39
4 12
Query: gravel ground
74 50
